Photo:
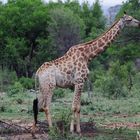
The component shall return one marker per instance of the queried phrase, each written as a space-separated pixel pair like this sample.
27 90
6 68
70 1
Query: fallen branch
12 128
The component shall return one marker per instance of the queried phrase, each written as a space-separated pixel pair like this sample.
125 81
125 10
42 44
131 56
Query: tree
74 6
65 29
132 7
129 39
98 23
22 24
87 17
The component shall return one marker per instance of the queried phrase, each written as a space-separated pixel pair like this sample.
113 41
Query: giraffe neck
95 47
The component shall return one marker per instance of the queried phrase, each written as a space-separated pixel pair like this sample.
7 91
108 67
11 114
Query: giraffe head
130 21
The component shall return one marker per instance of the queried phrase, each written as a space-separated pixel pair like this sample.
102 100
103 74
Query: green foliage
58 93
15 89
27 83
32 32
61 128
87 16
22 24
85 101
6 78
74 6
100 137
114 72
94 19
130 36
65 29
117 82
2 107
112 87
98 16
136 84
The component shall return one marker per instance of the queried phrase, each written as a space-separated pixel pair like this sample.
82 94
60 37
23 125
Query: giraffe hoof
78 130
72 129
72 132
79 133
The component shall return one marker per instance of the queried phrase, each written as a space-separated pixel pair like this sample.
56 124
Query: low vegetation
111 117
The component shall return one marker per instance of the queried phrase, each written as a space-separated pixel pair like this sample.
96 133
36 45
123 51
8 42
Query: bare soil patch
17 130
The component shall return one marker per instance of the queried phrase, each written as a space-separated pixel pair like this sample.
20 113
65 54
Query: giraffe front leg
73 119
76 108
76 114
78 129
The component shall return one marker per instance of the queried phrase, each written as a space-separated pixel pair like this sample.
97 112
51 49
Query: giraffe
71 70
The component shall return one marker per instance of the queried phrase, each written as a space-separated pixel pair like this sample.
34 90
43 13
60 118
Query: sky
110 3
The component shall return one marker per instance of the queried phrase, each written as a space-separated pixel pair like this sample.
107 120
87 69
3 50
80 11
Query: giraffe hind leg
48 116
76 108
75 119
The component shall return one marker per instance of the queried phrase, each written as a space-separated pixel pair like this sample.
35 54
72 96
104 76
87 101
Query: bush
86 101
6 78
136 84
61 129
117 81
15 89
58 93
27 83
112 87
2 108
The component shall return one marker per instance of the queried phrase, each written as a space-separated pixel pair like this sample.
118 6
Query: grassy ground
113 118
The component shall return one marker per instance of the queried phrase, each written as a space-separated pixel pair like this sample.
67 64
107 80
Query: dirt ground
17 130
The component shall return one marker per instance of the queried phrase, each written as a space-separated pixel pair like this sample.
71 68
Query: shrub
15 89
136 84
4 105
58 93
113 87
27 83
6 78
19 101
86 101
2 108
117 81
61 128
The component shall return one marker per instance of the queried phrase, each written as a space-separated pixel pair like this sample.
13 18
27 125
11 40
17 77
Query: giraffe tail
35 109
35 101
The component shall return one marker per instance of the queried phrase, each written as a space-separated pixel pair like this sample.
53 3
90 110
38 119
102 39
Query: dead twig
15 127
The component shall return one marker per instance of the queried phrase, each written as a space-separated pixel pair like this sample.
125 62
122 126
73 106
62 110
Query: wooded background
32 32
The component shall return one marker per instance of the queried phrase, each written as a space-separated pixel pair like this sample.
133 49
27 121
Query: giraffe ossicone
71 70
